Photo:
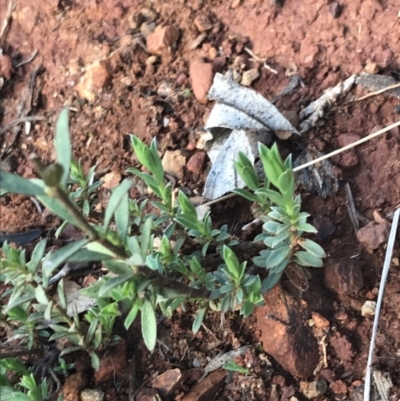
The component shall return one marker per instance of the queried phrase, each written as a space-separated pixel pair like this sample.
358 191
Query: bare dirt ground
322 41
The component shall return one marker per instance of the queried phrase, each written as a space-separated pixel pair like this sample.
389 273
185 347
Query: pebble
203 23
173 162
92 395
201 76
73 386
369 308
206 389
320 321
111 180
338 387
335 9
162 40
96 77
371 68
196 163
373 235
315 389
249 77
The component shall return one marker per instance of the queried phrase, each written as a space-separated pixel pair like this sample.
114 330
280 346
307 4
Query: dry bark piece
166 382
375 82
250 76
206 390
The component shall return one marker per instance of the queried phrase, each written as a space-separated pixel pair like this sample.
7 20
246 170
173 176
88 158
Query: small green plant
147 272
284 222
27 388
85 188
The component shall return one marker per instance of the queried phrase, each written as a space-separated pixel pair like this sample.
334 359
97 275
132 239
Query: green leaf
13 183
37 256
307 259
198 320
15 365
272 227
286 184
114 282
122 218
188 223
92 330
41 296
312 247
232 263
58 257
270 282
95 360
186 205
145 237
149 325
274 196
245 169
307 228
280 238
247 308
115 199
49 310
233 367
277 256
62 143
118 267
245 194
131 316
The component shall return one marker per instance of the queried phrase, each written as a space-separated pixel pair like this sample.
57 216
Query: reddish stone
201 76
5 66
343 277
338 387
196 163
373 235
162 39
206 389
293 344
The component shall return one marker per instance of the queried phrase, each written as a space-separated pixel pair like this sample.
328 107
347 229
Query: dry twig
7 18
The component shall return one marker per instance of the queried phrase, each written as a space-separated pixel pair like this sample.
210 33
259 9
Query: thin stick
20 121
320 159
385 271
347 147
388 88
27 60
7 17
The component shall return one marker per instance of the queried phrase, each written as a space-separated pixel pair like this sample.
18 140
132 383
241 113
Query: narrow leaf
131 316
307 259
62 143
312 247
115 199
198 320
37 255
277 256
41 296
270 282
114 282
13 183
149 325
122 217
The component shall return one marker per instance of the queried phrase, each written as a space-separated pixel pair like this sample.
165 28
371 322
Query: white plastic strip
385 271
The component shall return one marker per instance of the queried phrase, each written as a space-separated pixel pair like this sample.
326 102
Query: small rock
338 387
201 76
5 66
174 162
165 89
235 3
92 395
320 321
295 348
203 23
197 41
368 309
342 347
96 77
114 362
373 235
147 394
166 383
343 277
196 163
249 77
335 9
206 390
371 68
111 180
315 389
147 28
162 39
73 386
